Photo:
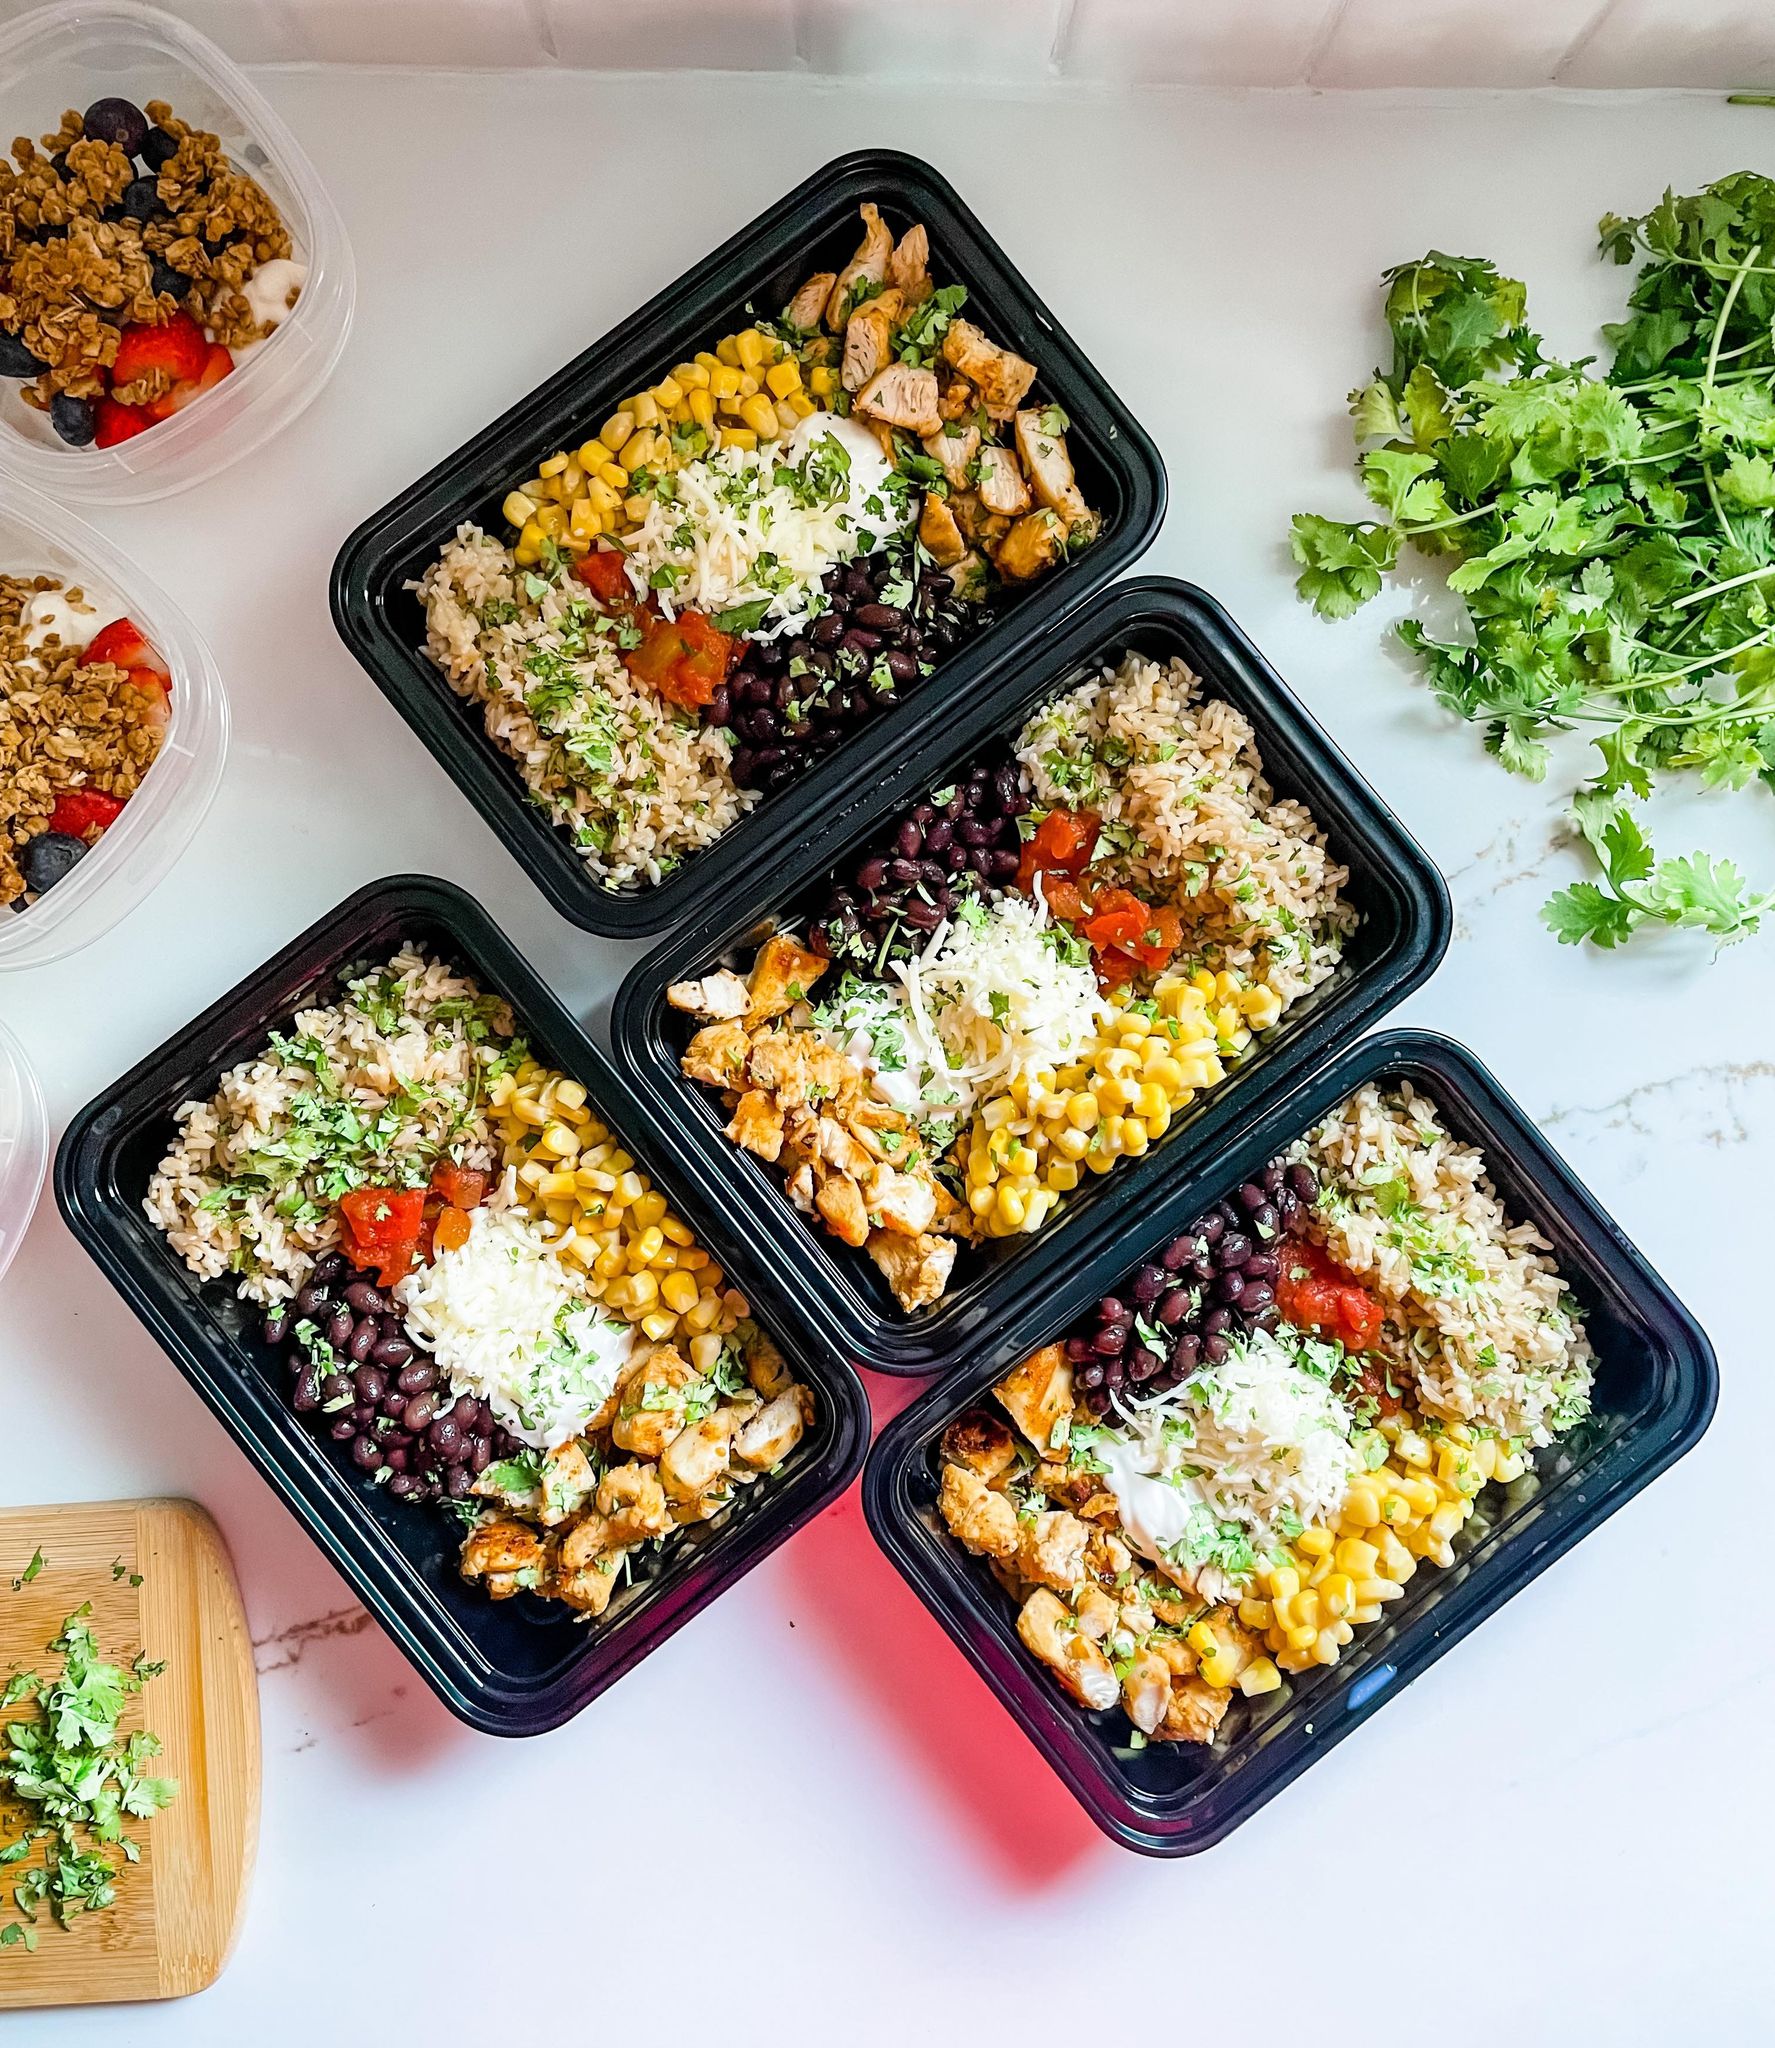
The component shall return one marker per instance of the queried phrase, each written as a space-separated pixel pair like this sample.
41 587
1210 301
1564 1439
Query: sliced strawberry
123 644
216 365
80 811
176 346
118 422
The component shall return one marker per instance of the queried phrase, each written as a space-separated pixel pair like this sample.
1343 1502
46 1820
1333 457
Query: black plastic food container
1656 1385
521 1666
815 227
1404 932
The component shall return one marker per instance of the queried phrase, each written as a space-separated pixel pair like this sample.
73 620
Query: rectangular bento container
1406 922
38 538
521 1666
1656 1385
69 56
814 227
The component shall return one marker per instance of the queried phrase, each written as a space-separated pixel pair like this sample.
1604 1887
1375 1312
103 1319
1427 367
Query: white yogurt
272 289
49 613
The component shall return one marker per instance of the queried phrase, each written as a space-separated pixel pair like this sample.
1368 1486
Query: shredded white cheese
747 529
1001 992
510 1323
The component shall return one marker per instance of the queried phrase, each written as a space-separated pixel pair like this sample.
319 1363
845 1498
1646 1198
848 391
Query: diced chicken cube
717 998
1043 449
900 1201
767 1436
1037 1395
781 976
868 345
1033 545
1002 488
697 1456
808 307
1051 1549
979 1518
1001 378
717 1054
903 395
944 541
1050 1633
567 1482
917 1269
954 445
981 1443
758 1124
908 269
840 1203
867 267
633 1501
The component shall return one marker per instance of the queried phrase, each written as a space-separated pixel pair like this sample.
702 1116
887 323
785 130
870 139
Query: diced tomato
381 1228
1115 969
80 811
1162 937
1062 844
1315 1293
605 575
1117 919
463 1187
685 660
1063 898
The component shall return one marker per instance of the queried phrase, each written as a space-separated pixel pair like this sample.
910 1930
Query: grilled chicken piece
959 402
967 577
1193 1712
717 998
981 1443
840 1203
902 395
770 1433
587 1572
943 540
984 1521
1146 1691
901 1201
1051 1549
1002 488
766 1367
868 345
1050 1633
834 1145
806 309
651 1397
509 1556
1050 469
1001 378
567 1482
868 264
697 1457
909 267
757 1125
781 976
1035 543
1037 1395
916 1268
954 445
633 1501
717 1054
1095 1611
797 1068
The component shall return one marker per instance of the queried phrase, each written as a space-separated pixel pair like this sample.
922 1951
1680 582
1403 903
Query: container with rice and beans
778 538
1284 1439
481 1301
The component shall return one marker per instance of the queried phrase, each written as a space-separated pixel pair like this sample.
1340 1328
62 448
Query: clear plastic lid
38 538
24 1146
69 56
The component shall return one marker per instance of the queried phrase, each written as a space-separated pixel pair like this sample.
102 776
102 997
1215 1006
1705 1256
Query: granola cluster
77 264
66 724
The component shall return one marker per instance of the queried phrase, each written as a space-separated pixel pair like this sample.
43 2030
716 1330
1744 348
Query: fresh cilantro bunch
1611 534
82 1778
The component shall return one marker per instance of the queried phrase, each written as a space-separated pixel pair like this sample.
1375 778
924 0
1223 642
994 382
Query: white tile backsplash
1720 43
1452 42
1326 44
1195 42
673 35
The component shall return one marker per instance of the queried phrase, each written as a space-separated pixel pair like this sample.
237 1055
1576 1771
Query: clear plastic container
69 56
24 1146
38 538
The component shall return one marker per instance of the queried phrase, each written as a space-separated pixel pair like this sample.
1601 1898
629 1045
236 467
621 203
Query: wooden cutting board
178 1910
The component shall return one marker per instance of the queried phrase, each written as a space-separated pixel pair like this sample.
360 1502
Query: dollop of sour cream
867 499
48 613
273 288
1154 1512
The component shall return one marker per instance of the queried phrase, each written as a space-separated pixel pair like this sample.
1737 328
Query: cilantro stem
1678 604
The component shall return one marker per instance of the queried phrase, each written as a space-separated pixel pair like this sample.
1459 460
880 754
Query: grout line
1582 41
1323 41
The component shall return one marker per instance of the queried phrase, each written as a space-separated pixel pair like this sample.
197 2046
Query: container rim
24 1146
429 509
237 419
1343 1696
318 1495
1403 875
175 794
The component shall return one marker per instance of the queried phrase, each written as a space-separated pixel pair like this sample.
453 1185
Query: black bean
1251 1195
481 1456
1089 1376
1186 1352
371 1383
1143 1362
277 1325
366 1455
394 1404
342 1429
1273 1177
392 1352
395 1456
404 1486
1230 1287
1304 1182
329 1266
1261 1266
1210 1227
1265 1222
1108 1343
1217 1321
339 1328
1176 1306
338 1390
305 1395
367 1300
420 1409
1148 1284
1078 1349
459 1482
444 1436
1233 1249
363 1341
1258 1296
311 1300
1180 1252
417 1377
1214 1348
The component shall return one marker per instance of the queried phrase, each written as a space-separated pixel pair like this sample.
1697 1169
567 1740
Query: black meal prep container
815 227
522 1666
1656 1386
1404 932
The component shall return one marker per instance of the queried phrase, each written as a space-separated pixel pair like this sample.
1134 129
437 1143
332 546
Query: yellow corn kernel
1134 1138
1284 1582
555 1187
518 508
705 1353
1011 1207
783 379
613 474
1113 1094
553 466
706 1313
702 410
1314 1542
1062 1175
1338 1595
668 392
648 1246
724 381
552 519
1255 1614
1303 1638
1259 1676
1307 1609
761 416
1156 1126
1359 1559
616 430
679 1291
738 437
584 521
636 451
823 382
1150 1100
1202 1639
601 497
643 1289
1362 1506
659 1324
1219 1670
646 410
635 509
750 348
533 1173
559 1140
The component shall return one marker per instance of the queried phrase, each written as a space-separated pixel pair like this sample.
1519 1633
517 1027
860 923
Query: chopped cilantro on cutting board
1612 536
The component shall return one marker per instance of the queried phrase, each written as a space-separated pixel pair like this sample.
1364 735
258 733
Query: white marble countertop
804 1815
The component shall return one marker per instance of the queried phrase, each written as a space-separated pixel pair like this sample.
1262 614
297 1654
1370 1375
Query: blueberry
173 282
158 147
16 360
46 859
118 121
73 419
141 199
59 163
